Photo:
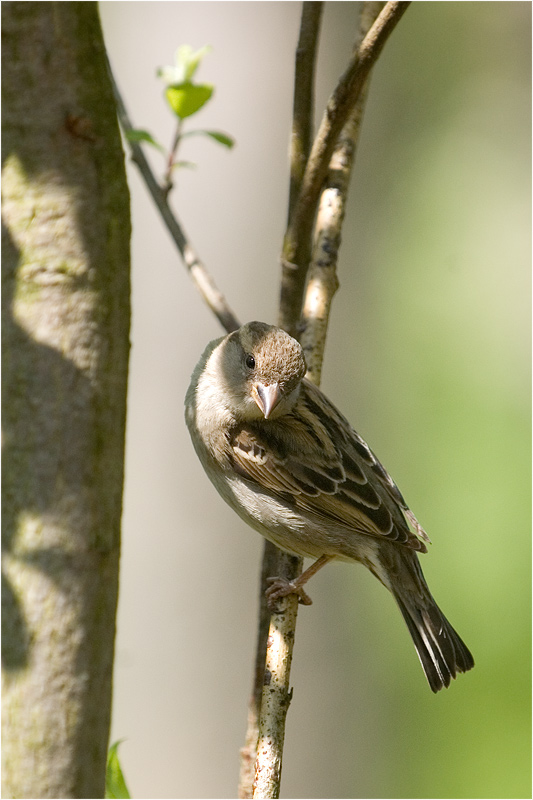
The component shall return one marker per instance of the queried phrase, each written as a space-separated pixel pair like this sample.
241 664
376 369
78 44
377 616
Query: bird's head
261 368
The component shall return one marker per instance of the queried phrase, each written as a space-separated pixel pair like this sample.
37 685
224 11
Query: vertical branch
333 150
274 561
269 566
301 141
295 253
275 699
322 281
304 96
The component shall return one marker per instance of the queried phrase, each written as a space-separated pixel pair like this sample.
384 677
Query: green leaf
218 136
115 785
187 98
187 62
139 135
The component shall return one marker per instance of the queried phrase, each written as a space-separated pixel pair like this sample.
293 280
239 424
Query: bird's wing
314 459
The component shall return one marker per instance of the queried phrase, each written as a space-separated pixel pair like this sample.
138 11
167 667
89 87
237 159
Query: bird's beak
266 397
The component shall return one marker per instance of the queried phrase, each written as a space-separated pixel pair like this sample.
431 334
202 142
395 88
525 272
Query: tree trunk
66 309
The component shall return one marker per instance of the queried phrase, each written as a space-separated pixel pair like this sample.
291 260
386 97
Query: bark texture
66 315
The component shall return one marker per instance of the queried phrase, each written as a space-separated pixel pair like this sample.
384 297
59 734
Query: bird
292 467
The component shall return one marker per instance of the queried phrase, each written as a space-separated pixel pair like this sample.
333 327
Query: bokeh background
428 356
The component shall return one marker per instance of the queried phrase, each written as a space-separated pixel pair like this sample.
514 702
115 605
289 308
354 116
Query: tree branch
322 285
304 96
338 110
275 699
269 566
322 281
301 141
168 182
201 278
275 562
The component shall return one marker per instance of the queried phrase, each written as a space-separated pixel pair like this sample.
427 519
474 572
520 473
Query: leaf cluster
185 98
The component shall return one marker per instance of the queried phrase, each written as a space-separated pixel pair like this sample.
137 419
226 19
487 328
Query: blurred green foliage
115 783
443 331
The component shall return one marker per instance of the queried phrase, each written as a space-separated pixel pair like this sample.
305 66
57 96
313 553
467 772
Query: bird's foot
281 587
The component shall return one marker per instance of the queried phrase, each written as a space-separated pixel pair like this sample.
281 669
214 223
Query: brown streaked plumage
293 468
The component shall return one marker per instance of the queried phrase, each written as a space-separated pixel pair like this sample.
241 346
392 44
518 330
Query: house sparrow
283 457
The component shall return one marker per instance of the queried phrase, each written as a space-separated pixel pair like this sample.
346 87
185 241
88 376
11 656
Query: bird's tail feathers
440 649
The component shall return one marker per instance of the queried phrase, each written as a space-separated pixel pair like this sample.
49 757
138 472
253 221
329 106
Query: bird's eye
250 362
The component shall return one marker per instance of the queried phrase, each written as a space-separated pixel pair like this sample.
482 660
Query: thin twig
269 567
197 271
322 281
168 182
338 110
301 141
304 96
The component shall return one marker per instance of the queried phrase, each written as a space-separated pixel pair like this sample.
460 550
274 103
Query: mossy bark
66 316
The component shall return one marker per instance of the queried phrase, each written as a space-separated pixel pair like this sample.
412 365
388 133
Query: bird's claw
281 587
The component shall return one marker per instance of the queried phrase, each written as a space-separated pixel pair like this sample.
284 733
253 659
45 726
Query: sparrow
291 466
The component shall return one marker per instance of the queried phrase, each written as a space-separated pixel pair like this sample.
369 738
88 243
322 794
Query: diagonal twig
203 281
